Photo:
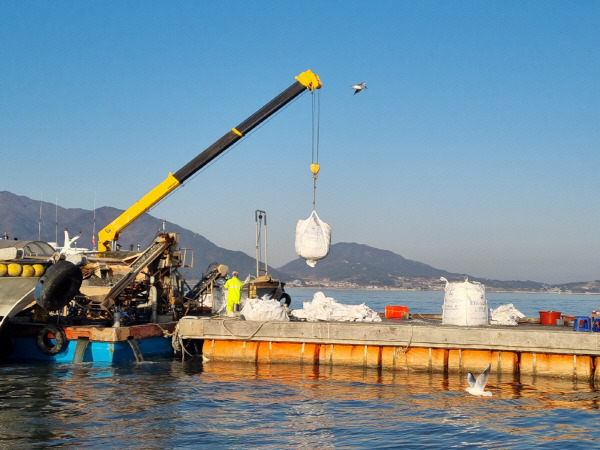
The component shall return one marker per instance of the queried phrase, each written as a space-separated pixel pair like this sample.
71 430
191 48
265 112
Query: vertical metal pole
257 242
40 221
94 226
266 255
56 222
258 217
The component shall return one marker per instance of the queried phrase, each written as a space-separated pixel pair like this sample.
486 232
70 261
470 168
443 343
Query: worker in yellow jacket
234 291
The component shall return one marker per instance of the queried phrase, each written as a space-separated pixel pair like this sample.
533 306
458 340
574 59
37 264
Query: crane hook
314 168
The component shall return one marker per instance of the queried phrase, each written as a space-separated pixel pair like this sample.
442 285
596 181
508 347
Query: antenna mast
56 221
40 221
94 225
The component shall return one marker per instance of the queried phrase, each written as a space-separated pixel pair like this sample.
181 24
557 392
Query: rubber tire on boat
7 343
286 299
58 285
43 340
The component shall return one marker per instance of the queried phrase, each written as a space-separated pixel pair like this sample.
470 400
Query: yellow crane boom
110 233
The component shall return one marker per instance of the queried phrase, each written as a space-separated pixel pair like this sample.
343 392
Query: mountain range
348 265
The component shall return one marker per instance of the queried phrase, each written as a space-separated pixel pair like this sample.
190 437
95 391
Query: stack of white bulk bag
465 304
313 237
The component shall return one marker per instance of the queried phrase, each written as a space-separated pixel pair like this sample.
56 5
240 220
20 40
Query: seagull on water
477 386
359 87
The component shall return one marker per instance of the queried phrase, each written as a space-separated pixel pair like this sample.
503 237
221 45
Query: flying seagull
359 87
477 386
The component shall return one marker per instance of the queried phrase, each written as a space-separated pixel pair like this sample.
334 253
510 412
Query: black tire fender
57 287
7 343
286 299
44 340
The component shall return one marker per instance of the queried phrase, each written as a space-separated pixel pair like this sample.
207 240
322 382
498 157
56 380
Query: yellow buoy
3 270
14 270
39 270
28 271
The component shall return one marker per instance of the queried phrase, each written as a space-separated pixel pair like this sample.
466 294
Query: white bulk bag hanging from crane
313 236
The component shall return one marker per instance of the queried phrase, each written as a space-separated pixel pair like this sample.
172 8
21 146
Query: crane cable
314 167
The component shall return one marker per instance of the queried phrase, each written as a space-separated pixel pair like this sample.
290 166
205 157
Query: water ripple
173 404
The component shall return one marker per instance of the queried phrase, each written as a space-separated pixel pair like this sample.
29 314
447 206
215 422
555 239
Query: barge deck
419 345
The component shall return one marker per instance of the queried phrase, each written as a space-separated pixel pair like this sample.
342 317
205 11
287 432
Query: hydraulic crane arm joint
111 232
309 80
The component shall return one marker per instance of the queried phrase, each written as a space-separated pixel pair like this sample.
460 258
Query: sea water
188 404
430 302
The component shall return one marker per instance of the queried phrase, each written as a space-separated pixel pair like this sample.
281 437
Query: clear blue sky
474 148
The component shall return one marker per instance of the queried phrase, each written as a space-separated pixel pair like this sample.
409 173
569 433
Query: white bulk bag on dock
505 315
263 309
465 304
327 309
313 237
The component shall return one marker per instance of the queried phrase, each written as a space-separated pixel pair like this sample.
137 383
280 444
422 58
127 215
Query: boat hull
85 344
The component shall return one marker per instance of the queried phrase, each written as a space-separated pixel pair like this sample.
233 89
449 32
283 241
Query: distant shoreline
495 291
